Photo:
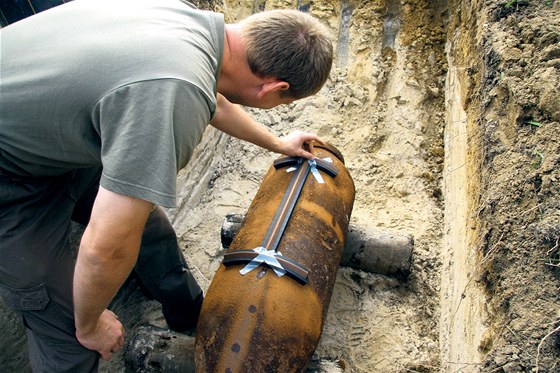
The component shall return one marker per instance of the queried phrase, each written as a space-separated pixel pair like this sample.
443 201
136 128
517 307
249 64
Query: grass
539 157
534 123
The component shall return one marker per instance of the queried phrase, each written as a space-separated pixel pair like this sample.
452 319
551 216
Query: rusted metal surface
260 322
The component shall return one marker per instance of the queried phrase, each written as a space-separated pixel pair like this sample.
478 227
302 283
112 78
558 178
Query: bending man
102 103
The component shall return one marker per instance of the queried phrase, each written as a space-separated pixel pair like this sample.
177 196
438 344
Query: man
102 103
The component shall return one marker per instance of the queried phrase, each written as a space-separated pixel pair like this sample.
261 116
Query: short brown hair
291 46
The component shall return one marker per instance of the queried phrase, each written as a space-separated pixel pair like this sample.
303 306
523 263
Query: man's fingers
310 147
300 144
307 155
108 338
319 140
114 350
310 137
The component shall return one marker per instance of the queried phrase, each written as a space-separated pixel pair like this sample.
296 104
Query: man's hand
107 254
106 338
299 144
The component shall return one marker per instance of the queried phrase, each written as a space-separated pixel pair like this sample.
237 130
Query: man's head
291 46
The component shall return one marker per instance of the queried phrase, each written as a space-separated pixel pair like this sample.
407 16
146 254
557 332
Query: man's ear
272 86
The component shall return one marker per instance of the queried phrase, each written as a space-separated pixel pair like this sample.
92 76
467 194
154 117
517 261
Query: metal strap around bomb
267 252
288 266
284 212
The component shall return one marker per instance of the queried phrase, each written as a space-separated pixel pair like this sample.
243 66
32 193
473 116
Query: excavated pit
429 102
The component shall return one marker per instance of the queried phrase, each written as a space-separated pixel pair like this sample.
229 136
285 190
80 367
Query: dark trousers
37 265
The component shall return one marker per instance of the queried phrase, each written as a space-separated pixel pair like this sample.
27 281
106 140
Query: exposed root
541 343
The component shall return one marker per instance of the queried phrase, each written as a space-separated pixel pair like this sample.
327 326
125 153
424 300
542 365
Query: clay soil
448 116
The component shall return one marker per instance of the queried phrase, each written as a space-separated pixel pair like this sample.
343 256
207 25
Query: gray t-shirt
129 85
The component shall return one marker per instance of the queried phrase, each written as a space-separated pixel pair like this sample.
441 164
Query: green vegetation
539 157
533 123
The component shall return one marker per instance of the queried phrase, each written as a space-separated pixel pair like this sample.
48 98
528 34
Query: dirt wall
506 56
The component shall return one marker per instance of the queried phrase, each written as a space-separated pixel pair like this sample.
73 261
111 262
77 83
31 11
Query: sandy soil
448 116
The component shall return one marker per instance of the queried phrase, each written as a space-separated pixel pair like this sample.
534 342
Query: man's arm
107 254
233 120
